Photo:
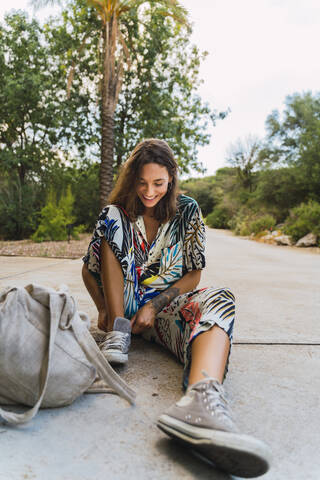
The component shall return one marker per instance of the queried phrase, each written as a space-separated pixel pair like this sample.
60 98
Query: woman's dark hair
124 193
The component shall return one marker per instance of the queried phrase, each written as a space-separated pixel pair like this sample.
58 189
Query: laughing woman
144 263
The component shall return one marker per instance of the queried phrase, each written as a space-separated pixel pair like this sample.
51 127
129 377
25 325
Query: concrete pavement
273 378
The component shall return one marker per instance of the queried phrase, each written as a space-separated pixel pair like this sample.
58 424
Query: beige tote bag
47 354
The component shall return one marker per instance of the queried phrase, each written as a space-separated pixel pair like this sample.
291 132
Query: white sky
260 51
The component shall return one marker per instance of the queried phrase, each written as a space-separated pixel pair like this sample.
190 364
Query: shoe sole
233 453
115 357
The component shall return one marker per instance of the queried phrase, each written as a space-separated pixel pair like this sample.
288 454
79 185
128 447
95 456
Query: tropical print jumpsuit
178 248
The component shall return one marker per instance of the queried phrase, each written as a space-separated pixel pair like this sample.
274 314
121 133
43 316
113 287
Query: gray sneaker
202 419
116 344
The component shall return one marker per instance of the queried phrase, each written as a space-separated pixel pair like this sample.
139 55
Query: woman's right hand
144 318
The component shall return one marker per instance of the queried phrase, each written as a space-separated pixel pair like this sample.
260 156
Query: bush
18 206
246 222
55 218
266 222
201 191
303 219
218 218
85 188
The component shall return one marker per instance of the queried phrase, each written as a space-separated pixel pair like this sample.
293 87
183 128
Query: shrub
85 188
18 206
247 221
266 222
303 219
218 218
201 191
54 219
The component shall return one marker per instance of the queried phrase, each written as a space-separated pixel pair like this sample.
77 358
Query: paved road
273 378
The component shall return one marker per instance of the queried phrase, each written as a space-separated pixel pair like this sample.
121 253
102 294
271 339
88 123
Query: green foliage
55 217
278 190
247 221
159 97
85 188
28 113
18 206
302 220
201 190
265 222
294 138
218 218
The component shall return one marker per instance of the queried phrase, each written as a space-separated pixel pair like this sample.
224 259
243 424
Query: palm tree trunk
107 152
108 105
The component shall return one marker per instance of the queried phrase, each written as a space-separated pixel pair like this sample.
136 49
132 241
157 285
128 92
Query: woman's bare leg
97 296
113 284
110 303
209 352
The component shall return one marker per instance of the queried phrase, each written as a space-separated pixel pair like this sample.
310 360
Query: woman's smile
152 184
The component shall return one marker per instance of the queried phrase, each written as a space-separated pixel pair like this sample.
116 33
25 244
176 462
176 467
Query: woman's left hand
144 318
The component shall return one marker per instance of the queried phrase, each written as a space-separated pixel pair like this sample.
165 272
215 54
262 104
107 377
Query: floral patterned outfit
178 248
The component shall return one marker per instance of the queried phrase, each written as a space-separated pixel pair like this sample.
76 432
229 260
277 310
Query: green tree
28 114
293 139
244 156
201 190
159 93
147 72
55 216
278 190
19 204
115 59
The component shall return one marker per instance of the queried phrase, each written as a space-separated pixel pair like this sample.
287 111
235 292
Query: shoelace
215 394
115 339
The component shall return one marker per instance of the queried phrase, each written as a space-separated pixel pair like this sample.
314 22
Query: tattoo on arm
164 298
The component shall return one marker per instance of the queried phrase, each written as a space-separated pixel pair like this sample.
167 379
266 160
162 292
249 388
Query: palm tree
115 58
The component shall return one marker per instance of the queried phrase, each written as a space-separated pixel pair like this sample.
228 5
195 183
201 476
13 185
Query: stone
283 240
309 240
268 238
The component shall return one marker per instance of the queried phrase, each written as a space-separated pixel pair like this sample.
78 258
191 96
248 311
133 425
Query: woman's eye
158 184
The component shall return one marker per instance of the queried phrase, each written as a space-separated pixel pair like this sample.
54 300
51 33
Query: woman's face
152 184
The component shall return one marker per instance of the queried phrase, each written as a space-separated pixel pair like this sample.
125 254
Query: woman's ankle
103 323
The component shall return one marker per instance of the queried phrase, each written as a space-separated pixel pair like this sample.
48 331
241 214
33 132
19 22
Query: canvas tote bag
47 354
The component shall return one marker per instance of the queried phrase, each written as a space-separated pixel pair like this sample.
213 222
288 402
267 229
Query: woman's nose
149 190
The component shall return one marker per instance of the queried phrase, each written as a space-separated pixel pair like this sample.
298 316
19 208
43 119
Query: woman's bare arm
187 283
145 316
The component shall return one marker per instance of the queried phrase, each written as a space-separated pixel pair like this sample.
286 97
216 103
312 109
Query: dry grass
27 248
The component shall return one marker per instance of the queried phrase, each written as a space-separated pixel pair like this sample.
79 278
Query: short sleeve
194 239
114 226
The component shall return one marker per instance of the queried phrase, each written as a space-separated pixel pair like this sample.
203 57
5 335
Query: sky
259 51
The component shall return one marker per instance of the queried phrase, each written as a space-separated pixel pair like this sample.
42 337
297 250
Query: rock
276 233
283 240
309 240
269 238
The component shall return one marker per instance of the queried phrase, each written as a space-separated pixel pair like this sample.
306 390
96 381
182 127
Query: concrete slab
275 388
277 288
275 396
52 272
274 391
100 436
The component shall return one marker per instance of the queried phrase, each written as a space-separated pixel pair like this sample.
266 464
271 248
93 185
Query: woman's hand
144 318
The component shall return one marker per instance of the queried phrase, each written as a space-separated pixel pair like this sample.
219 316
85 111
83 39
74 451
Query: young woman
144 263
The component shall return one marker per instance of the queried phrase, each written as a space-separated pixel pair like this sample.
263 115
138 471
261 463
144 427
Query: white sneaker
202 419
116 345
